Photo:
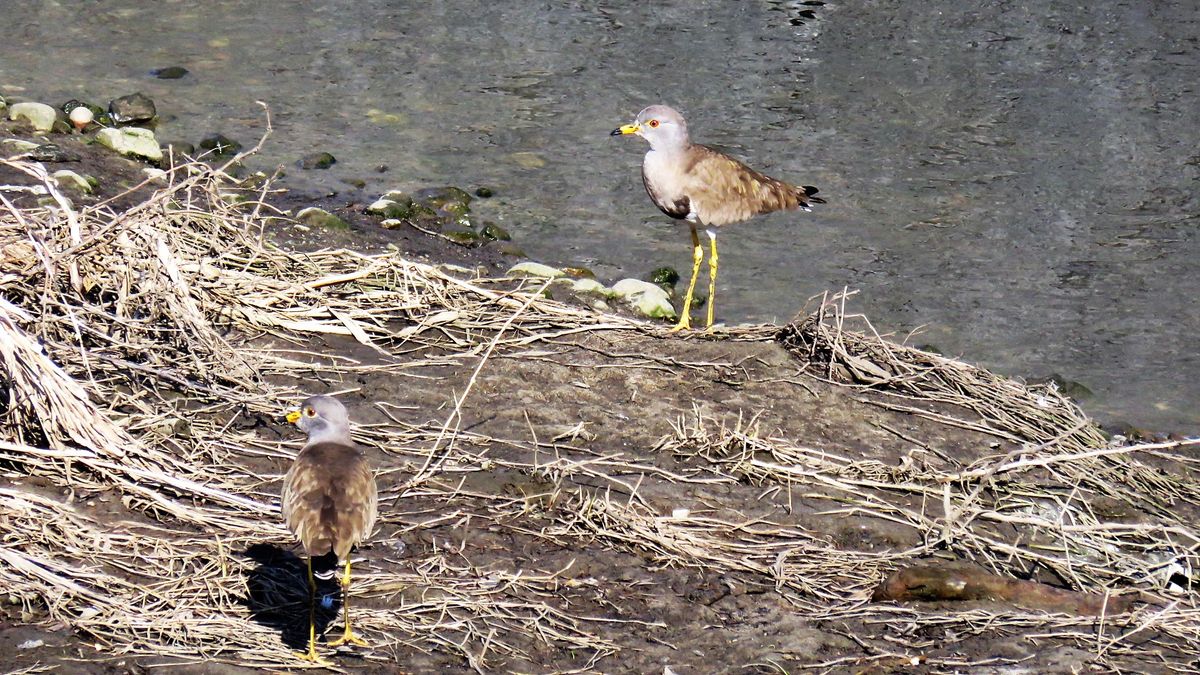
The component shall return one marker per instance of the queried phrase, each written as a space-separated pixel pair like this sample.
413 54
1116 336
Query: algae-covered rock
664 276
648 299
464 237
533 269
317 217
493 232
131 141
39 115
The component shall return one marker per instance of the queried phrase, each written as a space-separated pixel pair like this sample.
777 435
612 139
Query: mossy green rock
316 217
464 237
664 276
647 299
131 141
494 232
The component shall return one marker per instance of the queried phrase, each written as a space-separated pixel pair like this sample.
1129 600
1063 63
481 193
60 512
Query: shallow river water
1022 182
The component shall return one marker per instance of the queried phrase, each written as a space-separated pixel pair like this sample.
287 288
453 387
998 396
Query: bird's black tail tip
809 191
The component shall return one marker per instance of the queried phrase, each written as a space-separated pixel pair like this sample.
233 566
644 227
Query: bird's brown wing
724 190
329 498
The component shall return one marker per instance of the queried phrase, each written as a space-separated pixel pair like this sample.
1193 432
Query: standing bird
695 182
329 500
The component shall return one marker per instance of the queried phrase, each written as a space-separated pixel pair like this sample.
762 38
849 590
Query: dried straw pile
134 370
129 374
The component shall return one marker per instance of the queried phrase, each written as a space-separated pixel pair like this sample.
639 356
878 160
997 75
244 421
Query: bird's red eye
653 124
310 412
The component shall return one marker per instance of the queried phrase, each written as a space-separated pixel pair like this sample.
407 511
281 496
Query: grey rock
317 160
51 152
132 109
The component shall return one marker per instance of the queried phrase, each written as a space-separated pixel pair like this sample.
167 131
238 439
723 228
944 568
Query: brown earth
556 433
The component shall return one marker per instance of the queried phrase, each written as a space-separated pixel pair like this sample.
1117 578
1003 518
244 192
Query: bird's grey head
662 126
322 418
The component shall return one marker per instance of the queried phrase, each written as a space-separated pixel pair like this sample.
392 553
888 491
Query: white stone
589 286
533 269
380 205
40 115
131 141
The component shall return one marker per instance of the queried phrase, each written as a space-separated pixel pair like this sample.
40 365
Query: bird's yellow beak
293 416
626 130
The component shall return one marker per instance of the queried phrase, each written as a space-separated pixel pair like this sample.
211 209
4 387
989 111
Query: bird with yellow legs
689 181
329 501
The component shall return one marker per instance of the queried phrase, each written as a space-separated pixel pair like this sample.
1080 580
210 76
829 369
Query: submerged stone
39 115
317 160
132 109
219 144
169 73
483 192
129 141
179 148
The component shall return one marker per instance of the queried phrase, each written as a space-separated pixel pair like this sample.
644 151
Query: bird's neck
328 433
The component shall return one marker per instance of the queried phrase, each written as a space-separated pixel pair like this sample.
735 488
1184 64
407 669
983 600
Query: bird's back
723 190
330 498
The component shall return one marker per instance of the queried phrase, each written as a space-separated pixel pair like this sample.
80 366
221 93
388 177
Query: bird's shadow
278 593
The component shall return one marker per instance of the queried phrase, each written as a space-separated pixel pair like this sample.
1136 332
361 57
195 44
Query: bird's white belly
663 173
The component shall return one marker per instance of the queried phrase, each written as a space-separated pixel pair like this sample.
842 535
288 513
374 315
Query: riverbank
561 489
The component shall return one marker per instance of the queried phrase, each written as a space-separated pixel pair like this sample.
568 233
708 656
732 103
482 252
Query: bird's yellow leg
311 654
347 635
685 315
712 279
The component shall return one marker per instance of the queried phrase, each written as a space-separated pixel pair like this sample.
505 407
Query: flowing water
1019 181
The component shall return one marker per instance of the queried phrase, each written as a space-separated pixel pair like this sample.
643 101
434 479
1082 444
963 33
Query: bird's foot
685 323
312 657
349 638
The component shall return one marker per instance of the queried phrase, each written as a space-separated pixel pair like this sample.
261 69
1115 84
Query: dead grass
132 348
